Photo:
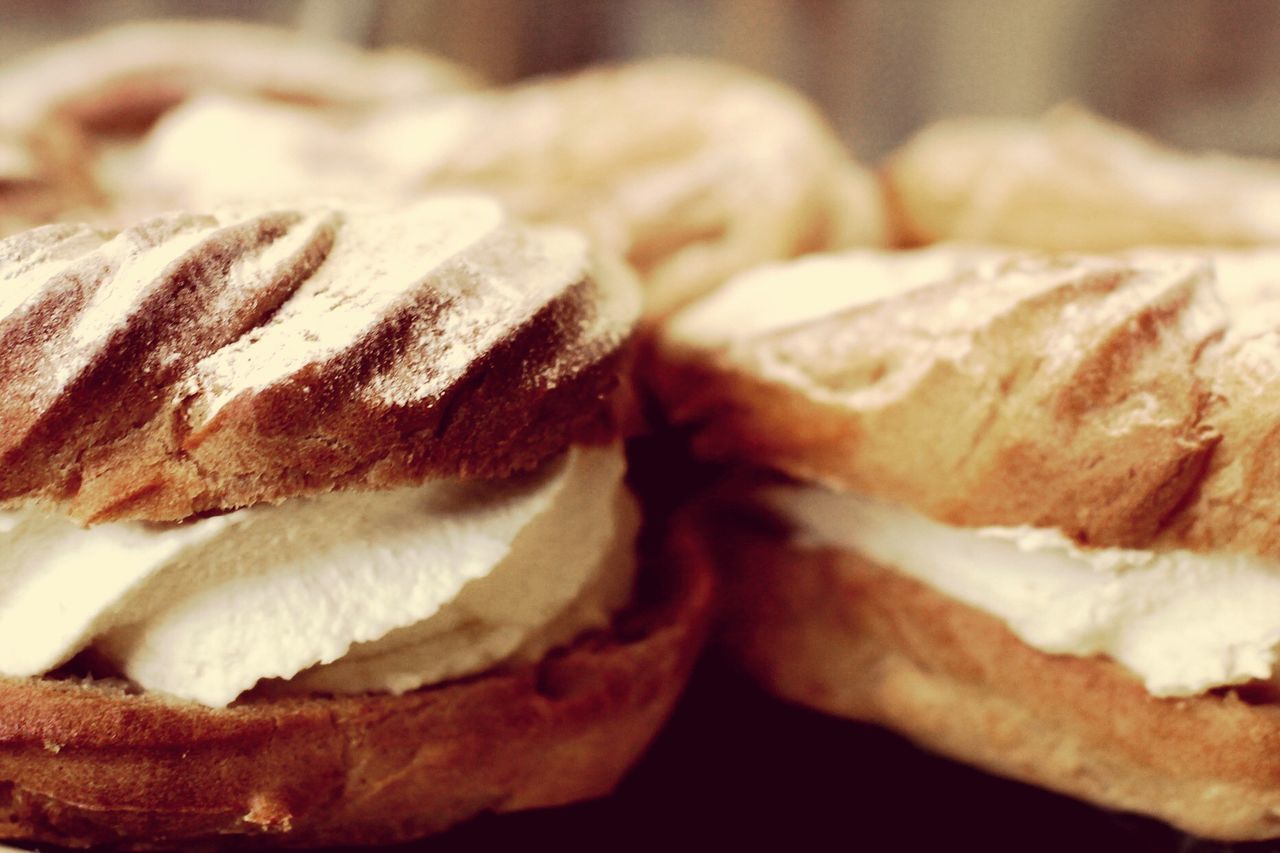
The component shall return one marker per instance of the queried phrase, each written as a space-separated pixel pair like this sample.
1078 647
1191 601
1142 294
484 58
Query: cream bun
315 528
1015 506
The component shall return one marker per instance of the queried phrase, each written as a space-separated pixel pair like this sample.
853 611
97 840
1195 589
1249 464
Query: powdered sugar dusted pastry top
1073 181
693 171
1114 398
192 363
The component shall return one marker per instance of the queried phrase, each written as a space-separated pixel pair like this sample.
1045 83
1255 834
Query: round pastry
1073 181
361 560
1017 507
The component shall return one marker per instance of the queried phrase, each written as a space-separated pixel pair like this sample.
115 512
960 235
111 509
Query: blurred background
1198 73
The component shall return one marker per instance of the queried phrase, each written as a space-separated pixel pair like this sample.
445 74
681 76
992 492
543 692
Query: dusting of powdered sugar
1247 283
140 266
377 265
428 288
233 264
790 324
454 267
129 269
501 283
30 261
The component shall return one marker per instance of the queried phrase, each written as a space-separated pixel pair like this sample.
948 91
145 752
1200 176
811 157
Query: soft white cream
347 592
1183 622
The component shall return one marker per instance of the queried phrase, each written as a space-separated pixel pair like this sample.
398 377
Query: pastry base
90 763
831 630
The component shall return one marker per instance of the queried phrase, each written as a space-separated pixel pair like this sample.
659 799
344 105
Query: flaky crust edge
833 631
84 764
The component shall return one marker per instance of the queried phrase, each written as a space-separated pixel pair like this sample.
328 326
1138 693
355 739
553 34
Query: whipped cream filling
348 592
1182 622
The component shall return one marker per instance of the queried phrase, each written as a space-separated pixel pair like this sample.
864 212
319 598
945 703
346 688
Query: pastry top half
1125 400
196 363
1074 181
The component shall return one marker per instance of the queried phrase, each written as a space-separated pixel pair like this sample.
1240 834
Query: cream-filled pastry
1182 622
1015 506
328 501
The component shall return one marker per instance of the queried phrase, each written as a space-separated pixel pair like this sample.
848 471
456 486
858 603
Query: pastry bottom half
831 630
85 763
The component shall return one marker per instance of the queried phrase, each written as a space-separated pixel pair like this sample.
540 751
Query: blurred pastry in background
1074 181
690 169
29 193
1020 508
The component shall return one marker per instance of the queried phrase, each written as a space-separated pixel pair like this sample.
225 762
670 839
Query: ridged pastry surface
193 363
1126 400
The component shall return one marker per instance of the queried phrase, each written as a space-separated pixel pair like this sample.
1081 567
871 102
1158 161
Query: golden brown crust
1059 393
1121 408
141 380
88 764
1235 504
828 629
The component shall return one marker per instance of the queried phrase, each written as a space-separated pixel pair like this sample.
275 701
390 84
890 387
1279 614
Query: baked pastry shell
92 763
831 630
